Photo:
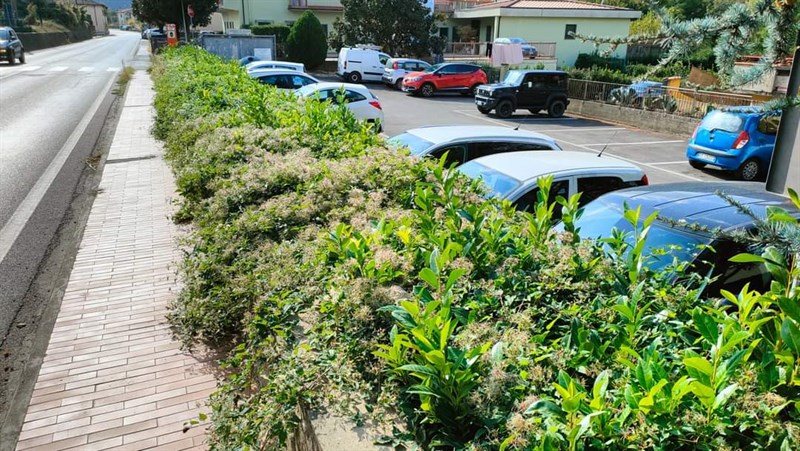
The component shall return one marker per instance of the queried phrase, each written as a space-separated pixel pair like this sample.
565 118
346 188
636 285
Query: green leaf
600 385
429 277
496 355
419 369
545 407
624 310
733 340
706 325
703 392
422 390
700 364
747 258
722 396
790 307
436 357
790 334
433 262
453 277
577 432
795 198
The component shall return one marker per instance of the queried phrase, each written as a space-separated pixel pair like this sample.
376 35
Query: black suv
10 46
534 90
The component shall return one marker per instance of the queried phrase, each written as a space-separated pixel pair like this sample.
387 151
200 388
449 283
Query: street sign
190 11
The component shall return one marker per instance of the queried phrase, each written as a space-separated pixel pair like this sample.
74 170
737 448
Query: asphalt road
51 110
662 157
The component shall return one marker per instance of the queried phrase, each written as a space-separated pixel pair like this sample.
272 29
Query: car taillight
395 65
741 140
644 181
694 135
376 104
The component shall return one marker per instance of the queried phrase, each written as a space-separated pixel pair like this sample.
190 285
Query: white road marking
638 143
16 223
86 69
30 68
58 69
669 162
594 151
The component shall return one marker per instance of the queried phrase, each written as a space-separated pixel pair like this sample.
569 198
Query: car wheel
354 77
696 164
534 110
426 90
399 84
556 109
12 58
749 170
504 109
22 57
484 110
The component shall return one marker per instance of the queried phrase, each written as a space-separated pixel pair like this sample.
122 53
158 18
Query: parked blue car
739 139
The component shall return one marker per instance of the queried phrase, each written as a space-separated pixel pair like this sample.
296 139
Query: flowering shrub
348 277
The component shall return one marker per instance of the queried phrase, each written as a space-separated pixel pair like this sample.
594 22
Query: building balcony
315 5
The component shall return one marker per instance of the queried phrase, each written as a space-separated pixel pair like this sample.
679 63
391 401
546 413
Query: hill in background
115 5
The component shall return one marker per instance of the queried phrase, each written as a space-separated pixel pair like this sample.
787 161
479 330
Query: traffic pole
185 30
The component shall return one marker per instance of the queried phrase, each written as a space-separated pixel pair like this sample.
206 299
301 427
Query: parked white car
397 68
256 65
514 176
356 64
283 78
359 100
466 142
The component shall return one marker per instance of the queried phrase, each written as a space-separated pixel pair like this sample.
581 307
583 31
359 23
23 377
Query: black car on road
533 90
10 46
682 207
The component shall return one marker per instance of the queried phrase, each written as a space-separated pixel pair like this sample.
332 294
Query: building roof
550 4
545 8
89 3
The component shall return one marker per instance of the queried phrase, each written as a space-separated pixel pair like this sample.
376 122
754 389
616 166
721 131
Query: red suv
457 77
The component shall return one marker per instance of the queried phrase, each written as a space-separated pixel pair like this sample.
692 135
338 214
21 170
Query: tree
307 42
399 27
162 12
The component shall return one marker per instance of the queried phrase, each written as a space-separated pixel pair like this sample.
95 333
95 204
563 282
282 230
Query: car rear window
721 120
416 144
664 243
499 184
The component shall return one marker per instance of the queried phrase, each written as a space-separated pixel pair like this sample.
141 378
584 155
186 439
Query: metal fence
547 50
669 99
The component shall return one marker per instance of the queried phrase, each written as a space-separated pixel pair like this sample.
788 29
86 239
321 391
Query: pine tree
307 42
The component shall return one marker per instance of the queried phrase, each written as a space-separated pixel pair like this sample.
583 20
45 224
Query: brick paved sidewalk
113 378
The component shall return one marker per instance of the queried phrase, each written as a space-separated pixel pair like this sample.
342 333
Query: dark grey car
11 48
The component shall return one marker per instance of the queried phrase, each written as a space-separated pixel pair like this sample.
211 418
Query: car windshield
721 120
664 243
433 68
306 90
499 184
4 35
416 144
514 77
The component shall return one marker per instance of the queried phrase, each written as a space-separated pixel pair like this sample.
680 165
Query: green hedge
348 277
281 32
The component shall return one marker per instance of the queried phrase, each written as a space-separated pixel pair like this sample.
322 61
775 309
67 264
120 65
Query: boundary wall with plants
39 41
341 276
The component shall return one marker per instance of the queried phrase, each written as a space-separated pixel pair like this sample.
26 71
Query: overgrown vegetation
350 277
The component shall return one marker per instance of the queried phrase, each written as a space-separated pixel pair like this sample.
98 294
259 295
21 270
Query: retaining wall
38 41
648 120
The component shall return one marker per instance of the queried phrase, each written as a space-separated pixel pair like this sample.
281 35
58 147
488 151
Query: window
571 28
383 59
352 96
298 81
594 187
444 32
527 201
768 124
482 149
325 28
269 80
455 154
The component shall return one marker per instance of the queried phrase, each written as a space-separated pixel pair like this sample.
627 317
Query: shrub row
346 276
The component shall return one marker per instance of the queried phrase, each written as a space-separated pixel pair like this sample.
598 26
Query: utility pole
185 30
784 170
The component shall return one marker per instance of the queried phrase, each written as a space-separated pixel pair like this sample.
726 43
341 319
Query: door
764 138
526 97
463 77
374 69
527 201
538 91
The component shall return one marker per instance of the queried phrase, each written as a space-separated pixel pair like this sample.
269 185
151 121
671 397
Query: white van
357 64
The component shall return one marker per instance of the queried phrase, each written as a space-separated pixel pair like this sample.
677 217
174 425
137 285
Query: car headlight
412 79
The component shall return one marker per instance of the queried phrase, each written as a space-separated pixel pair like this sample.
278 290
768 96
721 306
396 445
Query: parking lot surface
662 157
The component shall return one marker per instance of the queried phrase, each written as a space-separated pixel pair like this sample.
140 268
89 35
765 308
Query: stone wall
38 41
647 120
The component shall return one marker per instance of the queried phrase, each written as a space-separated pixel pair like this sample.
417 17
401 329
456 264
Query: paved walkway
113 378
